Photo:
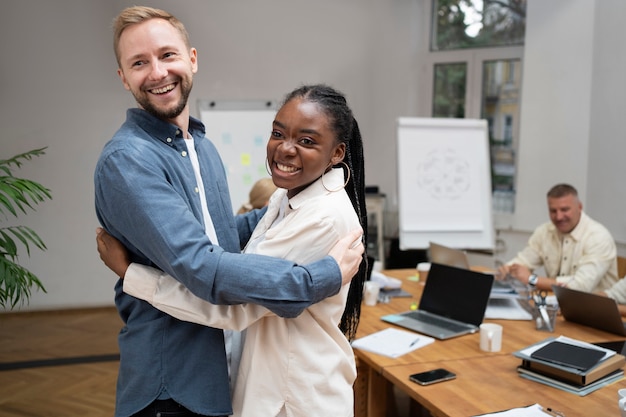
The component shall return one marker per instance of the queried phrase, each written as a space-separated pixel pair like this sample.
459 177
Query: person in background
161 189
259 195
308 358
618 293
574 250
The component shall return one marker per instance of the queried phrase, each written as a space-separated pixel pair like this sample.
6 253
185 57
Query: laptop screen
590 309
456 293
445 255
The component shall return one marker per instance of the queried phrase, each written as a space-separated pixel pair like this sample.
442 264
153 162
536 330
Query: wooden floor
59 364
64 364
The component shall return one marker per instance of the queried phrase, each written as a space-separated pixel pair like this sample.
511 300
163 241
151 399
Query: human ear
193 55
338 154
120 73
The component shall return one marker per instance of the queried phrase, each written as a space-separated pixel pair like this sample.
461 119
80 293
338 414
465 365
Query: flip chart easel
444 183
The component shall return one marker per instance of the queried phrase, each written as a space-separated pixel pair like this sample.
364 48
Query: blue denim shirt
146 196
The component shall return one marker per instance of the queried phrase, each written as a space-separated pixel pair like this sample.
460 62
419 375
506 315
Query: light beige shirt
584 259
300 367
618 291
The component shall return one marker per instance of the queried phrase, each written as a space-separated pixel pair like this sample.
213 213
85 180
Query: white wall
572 101
555 106
59 89
606 193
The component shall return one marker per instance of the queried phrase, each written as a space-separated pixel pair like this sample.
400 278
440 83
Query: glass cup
544 317
371 290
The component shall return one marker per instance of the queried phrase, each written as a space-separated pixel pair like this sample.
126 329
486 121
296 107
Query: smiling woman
302 146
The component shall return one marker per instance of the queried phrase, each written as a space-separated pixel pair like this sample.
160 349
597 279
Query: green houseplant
17 195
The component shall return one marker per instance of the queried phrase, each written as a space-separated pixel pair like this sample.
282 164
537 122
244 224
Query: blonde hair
259 195
138 14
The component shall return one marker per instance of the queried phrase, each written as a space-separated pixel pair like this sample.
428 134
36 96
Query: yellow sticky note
245 159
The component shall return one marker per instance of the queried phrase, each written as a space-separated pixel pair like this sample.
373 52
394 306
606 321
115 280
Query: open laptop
453 303
592 310
444 255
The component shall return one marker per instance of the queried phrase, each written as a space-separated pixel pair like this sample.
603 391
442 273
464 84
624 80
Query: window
449 96
475 59
459 24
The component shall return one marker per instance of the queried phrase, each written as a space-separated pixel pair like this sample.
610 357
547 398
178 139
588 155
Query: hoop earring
344 184
267 167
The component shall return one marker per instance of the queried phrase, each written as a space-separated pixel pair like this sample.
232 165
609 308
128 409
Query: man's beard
166 114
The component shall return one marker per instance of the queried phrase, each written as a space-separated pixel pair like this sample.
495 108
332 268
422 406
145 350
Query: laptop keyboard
436 321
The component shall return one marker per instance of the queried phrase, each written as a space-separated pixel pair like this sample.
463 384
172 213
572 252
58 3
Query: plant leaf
18 194
15 287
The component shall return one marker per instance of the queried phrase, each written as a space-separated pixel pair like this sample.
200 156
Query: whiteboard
240 131
444 183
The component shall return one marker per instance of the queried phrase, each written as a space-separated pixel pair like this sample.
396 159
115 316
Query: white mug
621 401
371 290
490 337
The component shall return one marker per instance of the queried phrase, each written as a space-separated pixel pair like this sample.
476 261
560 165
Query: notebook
453 303
445 255
592 310
569 355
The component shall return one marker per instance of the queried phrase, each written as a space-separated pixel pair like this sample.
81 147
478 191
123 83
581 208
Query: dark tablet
572 356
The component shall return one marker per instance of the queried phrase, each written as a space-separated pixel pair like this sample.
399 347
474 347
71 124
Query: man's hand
620 307
520 272
503 271
112 252
348 252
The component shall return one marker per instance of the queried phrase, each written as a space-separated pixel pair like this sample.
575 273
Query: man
161 189
618 293
574 250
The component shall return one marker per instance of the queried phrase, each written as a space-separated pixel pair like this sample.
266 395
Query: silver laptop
453 303
589 309
445 255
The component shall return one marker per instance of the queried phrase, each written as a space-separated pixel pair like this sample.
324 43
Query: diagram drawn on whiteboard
444 183
444 174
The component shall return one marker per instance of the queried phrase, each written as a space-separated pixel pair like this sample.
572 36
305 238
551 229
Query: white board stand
444 183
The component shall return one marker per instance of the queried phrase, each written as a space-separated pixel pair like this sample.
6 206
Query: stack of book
570 365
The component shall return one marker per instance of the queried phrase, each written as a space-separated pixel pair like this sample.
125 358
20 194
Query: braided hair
333 103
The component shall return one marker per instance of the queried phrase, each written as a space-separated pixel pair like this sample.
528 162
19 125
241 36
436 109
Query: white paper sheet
507 309
392 342
534 410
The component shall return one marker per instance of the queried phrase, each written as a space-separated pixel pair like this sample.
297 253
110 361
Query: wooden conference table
486 382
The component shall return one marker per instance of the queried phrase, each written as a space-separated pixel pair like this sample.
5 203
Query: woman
302 366
259 195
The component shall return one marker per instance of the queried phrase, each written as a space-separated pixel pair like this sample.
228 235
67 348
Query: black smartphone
432 376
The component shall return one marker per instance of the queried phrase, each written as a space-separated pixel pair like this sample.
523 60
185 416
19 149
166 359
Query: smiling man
573 249
161 189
